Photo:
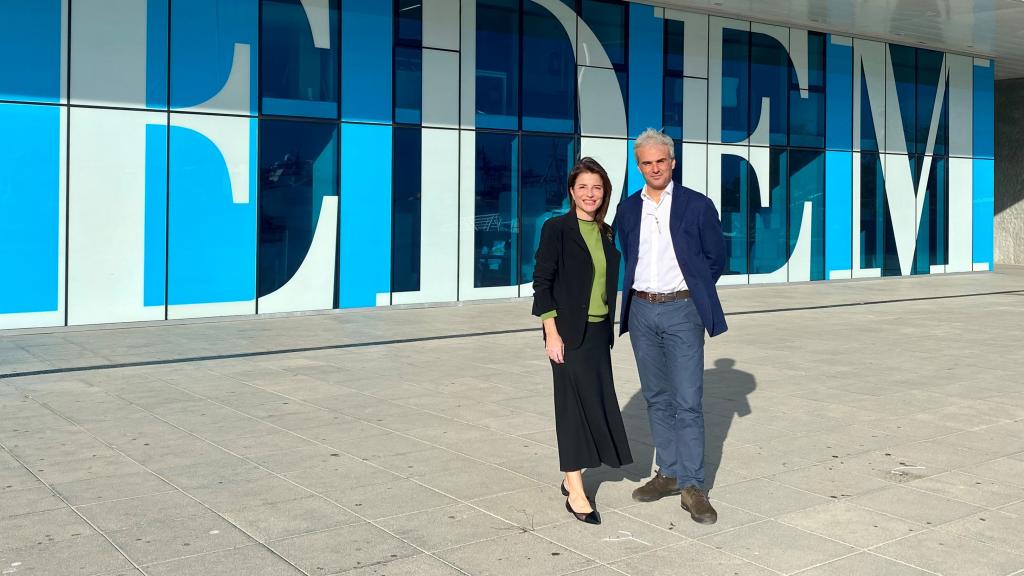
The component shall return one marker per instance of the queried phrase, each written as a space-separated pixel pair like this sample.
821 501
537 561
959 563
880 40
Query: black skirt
588 423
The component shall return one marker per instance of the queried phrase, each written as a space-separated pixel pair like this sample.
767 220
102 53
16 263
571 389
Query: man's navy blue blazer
699 246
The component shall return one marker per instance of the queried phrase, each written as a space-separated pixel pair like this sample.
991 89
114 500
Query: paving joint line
391 342
513 526
151 471
68 504
355 458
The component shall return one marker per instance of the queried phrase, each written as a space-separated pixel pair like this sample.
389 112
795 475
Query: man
674 251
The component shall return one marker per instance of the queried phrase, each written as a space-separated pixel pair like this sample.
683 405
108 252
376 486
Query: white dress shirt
657 269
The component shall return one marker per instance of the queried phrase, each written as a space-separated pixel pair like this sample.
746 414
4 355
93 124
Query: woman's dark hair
588 165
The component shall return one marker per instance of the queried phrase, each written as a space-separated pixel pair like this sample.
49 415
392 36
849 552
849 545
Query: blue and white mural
186 158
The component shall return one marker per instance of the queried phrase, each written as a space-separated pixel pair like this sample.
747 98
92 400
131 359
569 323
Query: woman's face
588 193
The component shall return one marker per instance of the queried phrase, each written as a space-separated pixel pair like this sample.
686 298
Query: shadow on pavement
726 389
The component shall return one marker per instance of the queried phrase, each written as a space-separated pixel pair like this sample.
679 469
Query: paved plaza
866 427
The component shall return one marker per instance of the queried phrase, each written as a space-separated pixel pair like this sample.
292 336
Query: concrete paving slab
871 416
944 553
322 554
516 554
779 547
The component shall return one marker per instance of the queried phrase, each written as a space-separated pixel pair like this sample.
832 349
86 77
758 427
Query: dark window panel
546 161
735 188
406 210
904 68
497 64
735 85
674 37
767 238
298 167
408 85
497 215
807 184
549 73
298 78
409 22
807 112
769 78
609 22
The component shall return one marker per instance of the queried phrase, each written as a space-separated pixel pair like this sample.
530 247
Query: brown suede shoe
656 489
695 501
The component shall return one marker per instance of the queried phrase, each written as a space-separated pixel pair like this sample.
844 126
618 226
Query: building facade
164 159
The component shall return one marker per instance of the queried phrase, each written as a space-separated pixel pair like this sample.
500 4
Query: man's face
655 165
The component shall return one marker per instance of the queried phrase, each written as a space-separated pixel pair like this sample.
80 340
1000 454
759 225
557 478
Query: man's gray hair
652 137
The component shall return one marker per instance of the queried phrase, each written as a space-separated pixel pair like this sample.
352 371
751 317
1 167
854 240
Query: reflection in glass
549 73
406 209
872 211
768 243
932 231
673 107
735 84
409 22
904 69
769 78
298 167
496 215
608 21
497 64
929 67
299 60
546 161
735 187
674 47
807 184
807 113
868 138
408 85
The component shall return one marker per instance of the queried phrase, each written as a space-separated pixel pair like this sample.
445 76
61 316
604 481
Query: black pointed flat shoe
592 517
565 491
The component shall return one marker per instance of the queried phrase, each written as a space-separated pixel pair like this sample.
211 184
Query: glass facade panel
735 208
367 76
807 184
674 30
549 73
408 85
673 106
409 22
807 110
768 213
299 59
546 161
406 209
609 21
872 211
494 101
496 222
497 67
929 69
868 137
933 228
735 85
904 70
769 78
298 167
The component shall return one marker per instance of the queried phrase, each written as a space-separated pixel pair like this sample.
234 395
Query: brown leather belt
654 298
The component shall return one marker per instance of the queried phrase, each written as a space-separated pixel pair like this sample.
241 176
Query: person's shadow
725 397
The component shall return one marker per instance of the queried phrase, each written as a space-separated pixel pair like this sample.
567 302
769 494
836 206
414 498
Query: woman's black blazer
564 274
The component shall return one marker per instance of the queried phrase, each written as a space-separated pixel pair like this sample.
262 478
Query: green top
598 291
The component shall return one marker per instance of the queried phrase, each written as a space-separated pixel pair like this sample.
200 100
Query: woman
574 284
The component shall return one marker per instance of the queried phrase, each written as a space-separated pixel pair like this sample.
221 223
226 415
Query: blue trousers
668 342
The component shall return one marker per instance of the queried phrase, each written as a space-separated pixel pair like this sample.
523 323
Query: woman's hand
553 342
